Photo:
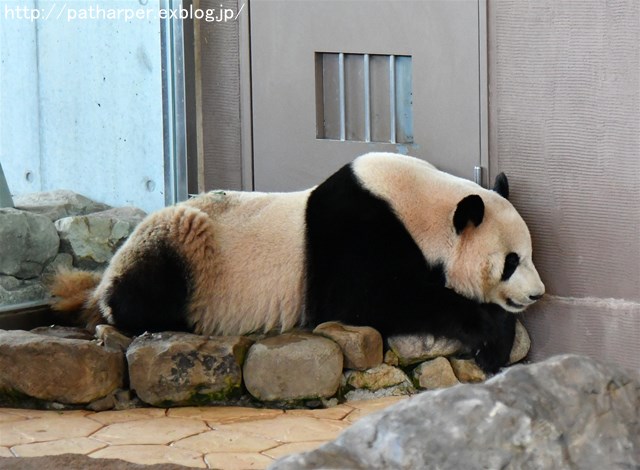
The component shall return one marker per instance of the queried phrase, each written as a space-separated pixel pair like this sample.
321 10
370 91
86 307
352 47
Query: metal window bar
343 123
367 99
173 97
392 99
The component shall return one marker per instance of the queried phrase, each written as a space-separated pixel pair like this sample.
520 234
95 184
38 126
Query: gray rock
58 204
93 239
167 369
61 261
29 242
383 376
412 349
361 345
360 394
69 371
293 366
103 404
15 291
66 332
567 412
381 381
434 374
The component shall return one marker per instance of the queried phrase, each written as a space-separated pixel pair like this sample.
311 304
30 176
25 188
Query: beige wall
218 105
565 127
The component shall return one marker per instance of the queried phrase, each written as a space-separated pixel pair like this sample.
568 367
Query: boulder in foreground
567 412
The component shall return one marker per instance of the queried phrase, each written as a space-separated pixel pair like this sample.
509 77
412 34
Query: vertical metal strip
173 105
246 103
343 123
392 99
484 90
477 175
367 100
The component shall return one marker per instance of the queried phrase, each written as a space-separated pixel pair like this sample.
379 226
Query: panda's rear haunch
388 241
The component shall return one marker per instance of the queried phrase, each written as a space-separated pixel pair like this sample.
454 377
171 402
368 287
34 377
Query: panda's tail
72 291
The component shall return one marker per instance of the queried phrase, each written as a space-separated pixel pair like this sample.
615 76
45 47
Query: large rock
383 380
383 376
93 239
29 242
467 370
293 366
412 349
433 374
564 413
66 332
361 345
167 369
69 371
62 261
58 204
521 344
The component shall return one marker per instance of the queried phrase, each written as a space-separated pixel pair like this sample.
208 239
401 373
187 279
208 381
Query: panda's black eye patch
511 262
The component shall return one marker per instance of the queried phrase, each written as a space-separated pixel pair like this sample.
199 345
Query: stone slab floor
207 437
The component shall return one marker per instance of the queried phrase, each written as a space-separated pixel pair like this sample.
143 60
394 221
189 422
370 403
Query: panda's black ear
470 209
501 186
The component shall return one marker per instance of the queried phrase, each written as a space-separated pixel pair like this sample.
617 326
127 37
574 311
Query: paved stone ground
206 437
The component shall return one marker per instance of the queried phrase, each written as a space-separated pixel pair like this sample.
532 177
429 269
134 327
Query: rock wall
56 229
62 367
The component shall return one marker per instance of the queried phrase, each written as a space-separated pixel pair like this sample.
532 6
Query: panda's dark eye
511 262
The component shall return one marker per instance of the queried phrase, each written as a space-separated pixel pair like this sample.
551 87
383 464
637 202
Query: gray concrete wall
81 100
565 127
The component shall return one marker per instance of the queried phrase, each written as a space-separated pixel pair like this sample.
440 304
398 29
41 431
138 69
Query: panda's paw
489 359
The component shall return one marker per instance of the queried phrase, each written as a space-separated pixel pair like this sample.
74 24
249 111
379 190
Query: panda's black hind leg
152 294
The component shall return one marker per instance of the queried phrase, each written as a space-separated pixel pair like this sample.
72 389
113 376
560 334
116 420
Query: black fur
470 209
364 268
511 262
152 295
501 185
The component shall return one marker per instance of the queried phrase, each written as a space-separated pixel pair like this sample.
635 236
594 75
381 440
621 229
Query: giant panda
387 241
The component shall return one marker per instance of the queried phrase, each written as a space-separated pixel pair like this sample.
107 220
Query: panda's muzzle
511 303
518 306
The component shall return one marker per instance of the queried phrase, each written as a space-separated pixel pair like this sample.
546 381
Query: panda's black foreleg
485 330
493 353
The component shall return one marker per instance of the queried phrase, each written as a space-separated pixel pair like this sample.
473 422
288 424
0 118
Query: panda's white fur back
255 280
245 251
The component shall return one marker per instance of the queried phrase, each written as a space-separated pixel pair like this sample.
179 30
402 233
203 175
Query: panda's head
474 233
490 258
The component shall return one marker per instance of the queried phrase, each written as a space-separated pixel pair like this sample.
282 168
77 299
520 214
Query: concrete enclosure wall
81 99
565 127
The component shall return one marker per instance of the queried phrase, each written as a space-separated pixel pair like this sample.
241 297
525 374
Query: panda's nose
536 297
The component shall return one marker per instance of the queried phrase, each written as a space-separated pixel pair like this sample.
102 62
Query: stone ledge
67 368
